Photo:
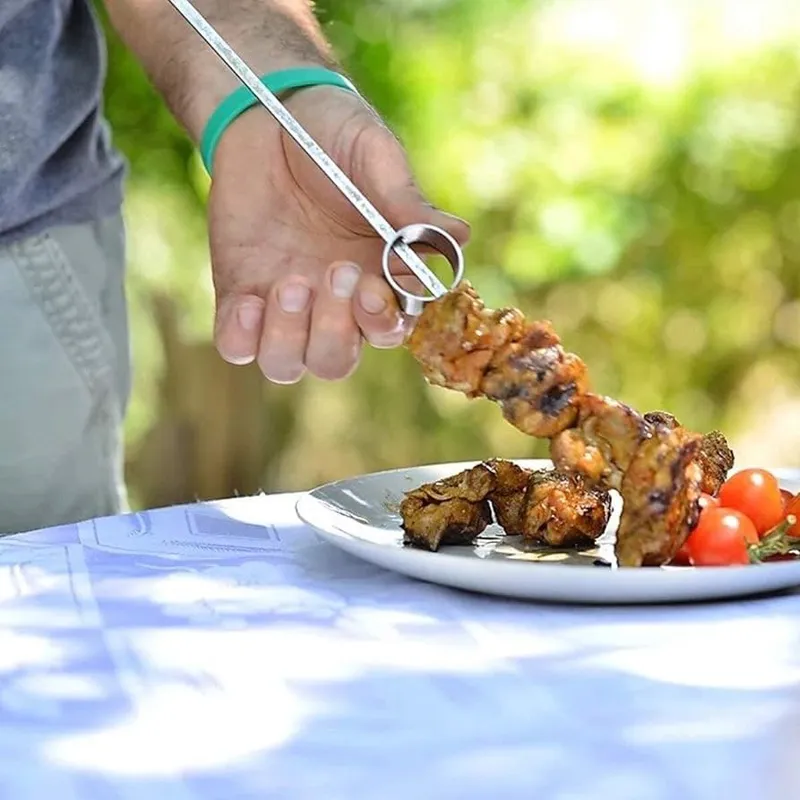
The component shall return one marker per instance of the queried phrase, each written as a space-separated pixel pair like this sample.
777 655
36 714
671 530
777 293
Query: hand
296 269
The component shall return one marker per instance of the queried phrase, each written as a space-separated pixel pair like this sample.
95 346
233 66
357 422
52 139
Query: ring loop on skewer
434 237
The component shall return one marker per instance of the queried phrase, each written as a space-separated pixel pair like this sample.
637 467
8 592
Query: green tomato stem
775 542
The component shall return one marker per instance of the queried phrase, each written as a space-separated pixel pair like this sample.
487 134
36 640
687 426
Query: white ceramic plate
359 515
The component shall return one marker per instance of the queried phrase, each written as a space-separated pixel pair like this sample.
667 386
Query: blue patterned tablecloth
222 652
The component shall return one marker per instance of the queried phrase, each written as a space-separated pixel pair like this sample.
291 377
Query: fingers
377 314
334 344
299 330
284 339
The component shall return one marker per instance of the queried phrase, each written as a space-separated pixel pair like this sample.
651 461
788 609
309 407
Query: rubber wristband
240 100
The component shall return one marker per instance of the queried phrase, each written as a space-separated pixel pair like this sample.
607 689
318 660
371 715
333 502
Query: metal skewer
395 241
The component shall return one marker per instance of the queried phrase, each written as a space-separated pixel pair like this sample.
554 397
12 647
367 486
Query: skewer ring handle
439 240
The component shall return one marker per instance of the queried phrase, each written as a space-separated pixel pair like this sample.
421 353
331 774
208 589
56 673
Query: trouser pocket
62 389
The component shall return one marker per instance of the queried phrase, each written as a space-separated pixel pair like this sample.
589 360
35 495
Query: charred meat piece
537 387
662 419
602 445
456 338
660 491
560 511
508 495
462 345
715 459
429 525
453 510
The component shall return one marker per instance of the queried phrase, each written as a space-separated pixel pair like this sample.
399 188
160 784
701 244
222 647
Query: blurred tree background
631 171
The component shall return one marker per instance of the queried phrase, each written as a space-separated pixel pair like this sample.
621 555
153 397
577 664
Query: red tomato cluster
751 514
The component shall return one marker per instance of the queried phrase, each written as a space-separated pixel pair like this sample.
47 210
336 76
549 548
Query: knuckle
335 324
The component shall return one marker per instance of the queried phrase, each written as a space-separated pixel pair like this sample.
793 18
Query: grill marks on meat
543 506
658 467
462 345
716 461
655 464
603 443
536 384
715 457
660 490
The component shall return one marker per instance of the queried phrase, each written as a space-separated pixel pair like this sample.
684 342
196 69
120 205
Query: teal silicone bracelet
238 101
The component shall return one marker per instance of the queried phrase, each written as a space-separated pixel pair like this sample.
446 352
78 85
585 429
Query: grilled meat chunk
602 445
429 525
715 458
508 495
537 388
560 511
660 493
453 510
464 346
455 341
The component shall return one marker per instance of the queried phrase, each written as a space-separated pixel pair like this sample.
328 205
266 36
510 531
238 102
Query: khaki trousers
64 375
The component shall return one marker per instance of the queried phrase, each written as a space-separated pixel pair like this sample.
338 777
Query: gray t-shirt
57 164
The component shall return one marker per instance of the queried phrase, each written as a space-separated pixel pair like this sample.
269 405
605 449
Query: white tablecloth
221 652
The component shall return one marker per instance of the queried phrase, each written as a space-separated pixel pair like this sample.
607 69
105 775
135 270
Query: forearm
267 34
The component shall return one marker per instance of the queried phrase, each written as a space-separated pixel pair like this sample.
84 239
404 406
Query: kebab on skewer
659 468
542 389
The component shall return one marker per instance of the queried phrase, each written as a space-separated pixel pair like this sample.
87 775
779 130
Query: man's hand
296 268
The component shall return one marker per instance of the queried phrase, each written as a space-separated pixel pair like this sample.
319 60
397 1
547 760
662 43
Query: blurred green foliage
631 172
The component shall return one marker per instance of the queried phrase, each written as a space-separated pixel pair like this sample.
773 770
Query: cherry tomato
794 509
708 501
756 493
721 538
787 499
683 557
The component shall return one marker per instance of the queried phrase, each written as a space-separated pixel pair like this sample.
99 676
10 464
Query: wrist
282 84
256 128
211 90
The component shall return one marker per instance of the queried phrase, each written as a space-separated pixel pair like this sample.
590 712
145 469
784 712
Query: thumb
388 180
408 206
